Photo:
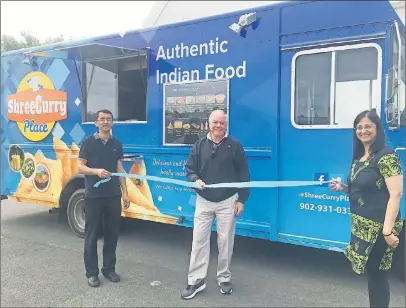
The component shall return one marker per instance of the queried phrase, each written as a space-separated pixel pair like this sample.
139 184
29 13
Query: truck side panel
262 115
253 117
320 97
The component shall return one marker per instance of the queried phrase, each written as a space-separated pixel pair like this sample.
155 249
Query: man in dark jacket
216 158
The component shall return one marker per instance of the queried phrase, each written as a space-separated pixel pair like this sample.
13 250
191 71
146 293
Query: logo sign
341 176
321 177
36 106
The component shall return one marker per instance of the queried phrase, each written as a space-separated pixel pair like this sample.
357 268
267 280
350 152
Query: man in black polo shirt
100 155
215 159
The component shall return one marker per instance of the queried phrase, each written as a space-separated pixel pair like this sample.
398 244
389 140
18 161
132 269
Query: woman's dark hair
380 140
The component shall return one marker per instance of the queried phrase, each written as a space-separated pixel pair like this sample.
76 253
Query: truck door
322 91
395 96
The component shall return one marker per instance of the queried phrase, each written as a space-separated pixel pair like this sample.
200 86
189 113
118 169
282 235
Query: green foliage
9 42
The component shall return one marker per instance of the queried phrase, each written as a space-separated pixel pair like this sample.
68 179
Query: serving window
117 84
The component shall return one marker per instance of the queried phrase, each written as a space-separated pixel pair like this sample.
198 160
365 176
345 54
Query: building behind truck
165 12
291 77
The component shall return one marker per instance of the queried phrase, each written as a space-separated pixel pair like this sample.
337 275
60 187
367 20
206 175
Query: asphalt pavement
42 266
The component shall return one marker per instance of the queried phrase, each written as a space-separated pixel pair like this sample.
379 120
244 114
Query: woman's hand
334 185
392 240
337 185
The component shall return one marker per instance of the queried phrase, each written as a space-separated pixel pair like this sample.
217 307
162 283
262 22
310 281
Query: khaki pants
206 211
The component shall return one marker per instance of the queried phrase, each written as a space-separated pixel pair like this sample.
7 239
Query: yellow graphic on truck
36 106
43 178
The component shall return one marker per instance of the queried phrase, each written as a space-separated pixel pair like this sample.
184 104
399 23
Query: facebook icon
321 177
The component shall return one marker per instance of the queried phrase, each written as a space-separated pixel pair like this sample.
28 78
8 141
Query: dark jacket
228 163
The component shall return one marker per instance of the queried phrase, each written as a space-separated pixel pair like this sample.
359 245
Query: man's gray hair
218 111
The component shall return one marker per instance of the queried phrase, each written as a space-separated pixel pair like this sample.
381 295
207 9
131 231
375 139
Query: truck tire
76 212
399 256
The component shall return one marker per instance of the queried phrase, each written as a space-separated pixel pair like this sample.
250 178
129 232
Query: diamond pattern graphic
40 60
77 133
58 72
3 135
13 67
14 134
4 88
3 78
19 73
46 64
4 158
11 86
5 140
148 35
58 131
2 85
58 54
14 80
4 110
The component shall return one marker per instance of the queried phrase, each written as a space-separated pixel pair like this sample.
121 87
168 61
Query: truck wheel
76 212
399 256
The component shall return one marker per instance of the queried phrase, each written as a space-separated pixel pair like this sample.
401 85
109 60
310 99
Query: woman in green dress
374 185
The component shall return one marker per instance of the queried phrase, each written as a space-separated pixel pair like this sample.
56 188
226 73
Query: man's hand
239 208
200 184
126 200
102 173
392 240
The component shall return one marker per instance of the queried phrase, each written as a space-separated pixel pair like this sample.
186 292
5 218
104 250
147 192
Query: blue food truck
290 76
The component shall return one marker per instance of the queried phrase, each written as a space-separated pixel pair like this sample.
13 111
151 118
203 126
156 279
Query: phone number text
325 208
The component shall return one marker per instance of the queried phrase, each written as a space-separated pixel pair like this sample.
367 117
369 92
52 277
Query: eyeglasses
366 127
108 120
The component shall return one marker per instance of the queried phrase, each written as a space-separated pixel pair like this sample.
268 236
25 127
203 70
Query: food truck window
118 85
331 86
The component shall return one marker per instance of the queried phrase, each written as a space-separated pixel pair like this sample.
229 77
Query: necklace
354 174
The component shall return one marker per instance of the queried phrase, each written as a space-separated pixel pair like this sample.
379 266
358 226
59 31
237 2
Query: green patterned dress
369 197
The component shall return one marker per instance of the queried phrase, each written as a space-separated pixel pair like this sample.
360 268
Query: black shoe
112 276
93 281
226 287
191 291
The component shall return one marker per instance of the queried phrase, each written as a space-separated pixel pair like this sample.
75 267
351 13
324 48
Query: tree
9 42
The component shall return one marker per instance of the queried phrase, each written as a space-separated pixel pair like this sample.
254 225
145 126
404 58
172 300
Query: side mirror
391 82
391 101
389 112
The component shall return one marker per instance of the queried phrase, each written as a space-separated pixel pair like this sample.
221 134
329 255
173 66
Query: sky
76 19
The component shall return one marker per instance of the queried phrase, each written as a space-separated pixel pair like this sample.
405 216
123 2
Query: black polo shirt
101 155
